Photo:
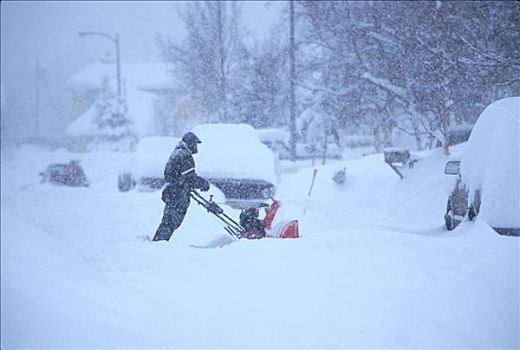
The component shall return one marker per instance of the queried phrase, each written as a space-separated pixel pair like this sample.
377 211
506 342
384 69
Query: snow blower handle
232 227
214 208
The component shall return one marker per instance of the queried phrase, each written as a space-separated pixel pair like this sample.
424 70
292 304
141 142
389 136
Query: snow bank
52 297
373 267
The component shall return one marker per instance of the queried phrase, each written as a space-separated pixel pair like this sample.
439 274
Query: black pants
173 216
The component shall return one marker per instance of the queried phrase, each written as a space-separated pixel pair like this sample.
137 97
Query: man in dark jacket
181 179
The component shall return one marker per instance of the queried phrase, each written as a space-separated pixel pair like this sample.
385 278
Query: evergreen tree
112 122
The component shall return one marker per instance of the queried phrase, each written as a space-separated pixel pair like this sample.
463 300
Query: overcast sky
47 32
48 29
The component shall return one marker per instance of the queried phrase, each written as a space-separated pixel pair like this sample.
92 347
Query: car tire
472 214
475 207
449 221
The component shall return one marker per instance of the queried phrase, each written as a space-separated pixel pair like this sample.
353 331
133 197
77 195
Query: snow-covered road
373 267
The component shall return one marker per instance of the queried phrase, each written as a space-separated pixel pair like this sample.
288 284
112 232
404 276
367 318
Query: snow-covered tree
265 97
315 125
419 66
209 61
112 122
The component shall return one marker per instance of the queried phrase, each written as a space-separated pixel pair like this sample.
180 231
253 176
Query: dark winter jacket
180 176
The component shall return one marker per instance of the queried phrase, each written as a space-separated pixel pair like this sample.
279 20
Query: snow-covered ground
374 266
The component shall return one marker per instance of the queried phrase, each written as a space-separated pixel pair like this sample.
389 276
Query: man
181 179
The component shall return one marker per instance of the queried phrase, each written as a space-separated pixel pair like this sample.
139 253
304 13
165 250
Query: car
230 157
278 141
145 167
66 174
457 205
457 134
487 170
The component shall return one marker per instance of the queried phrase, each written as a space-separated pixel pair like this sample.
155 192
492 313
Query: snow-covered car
488 183
278 141
145 168
457 134
67 174
230 157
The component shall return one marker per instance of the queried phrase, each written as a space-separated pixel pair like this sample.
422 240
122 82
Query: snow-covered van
230 157
488 170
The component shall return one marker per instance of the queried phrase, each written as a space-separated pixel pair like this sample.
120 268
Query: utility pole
292 79
222 59
37 98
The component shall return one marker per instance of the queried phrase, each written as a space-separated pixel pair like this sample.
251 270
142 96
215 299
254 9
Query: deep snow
374 266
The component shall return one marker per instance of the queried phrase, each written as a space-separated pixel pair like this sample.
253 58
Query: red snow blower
250 226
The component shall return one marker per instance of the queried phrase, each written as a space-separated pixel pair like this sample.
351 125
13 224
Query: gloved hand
214 208
204 185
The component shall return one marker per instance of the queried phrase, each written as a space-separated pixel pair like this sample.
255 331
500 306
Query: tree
112 123
265 94
209 60
417 66
315 126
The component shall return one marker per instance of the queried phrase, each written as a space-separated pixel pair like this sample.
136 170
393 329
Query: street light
115 40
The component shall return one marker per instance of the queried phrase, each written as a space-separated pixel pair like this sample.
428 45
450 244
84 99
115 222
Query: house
155 107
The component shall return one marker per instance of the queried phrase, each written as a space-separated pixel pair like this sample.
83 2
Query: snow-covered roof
137 78
491 162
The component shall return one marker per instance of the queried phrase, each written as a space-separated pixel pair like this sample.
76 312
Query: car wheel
450 222
472 214
475 207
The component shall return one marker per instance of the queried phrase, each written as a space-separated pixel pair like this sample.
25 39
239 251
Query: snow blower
250 227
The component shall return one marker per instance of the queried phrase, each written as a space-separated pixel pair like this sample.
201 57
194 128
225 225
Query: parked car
457 134
145 168
278 141
230 157
457 205
67 174
487 170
